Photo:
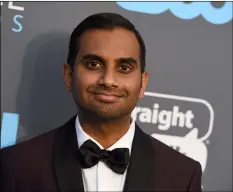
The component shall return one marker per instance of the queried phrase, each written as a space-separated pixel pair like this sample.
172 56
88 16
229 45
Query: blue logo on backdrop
9 129
17 19
183 10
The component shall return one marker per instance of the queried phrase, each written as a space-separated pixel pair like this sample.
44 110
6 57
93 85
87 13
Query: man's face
106 80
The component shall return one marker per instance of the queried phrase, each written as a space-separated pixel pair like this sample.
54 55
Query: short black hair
103 21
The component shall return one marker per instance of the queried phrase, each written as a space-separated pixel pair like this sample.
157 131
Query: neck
106 132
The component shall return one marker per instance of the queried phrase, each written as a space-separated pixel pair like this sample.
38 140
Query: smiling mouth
106 97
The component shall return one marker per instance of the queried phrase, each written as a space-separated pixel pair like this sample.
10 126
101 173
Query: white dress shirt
100 177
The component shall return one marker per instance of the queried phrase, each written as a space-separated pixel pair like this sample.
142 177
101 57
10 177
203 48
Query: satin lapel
66 164
140 175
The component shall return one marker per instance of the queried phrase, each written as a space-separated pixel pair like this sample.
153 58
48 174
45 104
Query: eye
125 68
93 64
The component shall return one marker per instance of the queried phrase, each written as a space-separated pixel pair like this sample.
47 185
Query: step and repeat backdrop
188 103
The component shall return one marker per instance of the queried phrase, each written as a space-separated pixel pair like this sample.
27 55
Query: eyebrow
127 60
100 59
93 57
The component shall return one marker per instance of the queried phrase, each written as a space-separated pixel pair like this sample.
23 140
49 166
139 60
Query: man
101 148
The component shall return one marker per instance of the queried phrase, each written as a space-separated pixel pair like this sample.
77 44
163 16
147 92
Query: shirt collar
124 142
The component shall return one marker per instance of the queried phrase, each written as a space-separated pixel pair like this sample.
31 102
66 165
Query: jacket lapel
140 175
66 164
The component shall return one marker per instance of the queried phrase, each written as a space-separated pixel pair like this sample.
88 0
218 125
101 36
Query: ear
67 74
143 84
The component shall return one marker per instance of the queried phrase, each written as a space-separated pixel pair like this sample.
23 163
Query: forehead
110 43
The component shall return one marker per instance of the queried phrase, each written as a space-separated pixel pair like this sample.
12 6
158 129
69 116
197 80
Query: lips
106 97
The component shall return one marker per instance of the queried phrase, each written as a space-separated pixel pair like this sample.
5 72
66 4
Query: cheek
133 88
83 80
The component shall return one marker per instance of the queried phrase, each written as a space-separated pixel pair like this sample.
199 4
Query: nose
108 77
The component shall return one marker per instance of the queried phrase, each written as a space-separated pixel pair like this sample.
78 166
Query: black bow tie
90 154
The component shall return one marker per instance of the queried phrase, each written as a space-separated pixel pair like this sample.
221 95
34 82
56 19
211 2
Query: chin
110 112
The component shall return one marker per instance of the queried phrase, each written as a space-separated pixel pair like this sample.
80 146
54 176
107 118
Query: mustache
101 90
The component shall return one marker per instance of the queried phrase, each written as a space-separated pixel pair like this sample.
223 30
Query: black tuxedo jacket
48 163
